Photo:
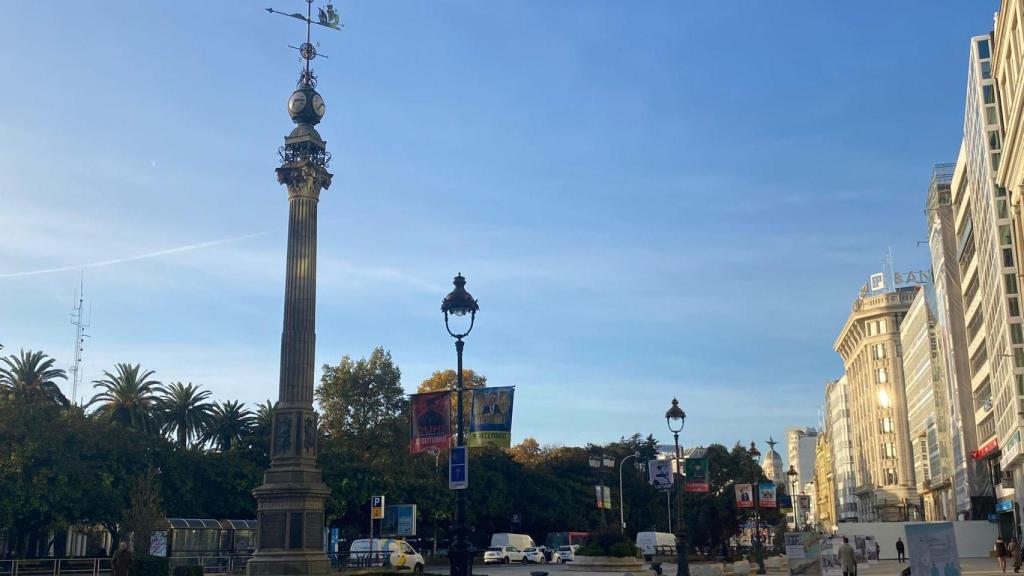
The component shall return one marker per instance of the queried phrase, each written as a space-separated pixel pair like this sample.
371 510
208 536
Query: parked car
568 553
396 554
535 555
504 555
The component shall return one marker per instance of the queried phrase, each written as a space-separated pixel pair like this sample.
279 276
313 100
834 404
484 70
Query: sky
649 200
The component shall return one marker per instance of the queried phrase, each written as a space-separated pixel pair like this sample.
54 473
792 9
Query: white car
535 555
503 555
567 553
395 554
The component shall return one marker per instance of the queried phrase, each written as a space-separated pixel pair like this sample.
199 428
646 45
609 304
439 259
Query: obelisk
290 511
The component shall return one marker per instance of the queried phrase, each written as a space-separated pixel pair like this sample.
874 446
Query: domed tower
772 465
290 503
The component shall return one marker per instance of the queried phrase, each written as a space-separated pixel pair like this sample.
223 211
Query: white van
655 543
396 554
520 541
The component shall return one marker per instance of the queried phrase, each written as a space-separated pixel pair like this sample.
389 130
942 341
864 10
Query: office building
801 444
824 485
840 435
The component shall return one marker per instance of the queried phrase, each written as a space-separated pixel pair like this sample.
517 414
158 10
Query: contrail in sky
137 257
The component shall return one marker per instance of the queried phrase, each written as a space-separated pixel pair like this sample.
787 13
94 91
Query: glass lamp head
675 417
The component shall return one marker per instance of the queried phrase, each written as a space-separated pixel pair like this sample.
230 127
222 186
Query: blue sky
649 199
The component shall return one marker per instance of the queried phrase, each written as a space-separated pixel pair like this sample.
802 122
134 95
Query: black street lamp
758 549
792 474
676 418
458 302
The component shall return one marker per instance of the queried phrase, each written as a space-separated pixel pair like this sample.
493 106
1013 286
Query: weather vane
328 18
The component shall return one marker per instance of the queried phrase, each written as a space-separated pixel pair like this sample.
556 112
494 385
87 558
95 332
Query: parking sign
377 507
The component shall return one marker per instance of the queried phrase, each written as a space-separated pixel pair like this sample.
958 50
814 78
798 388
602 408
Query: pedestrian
122 560
1001 553
900 556
847 559
878 551
1015 553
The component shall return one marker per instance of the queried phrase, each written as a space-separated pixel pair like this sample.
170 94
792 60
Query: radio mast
80 325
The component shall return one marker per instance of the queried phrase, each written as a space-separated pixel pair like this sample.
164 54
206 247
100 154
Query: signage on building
919 277
989 447
1011 451
1004 506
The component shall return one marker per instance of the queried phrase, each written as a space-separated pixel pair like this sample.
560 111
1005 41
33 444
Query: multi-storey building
837 425
927 410
869 344
1005 140
824 484
801 444
972 486
990 282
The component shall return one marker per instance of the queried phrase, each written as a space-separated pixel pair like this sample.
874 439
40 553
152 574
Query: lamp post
622 510
792 474
758 550
676 418
459 303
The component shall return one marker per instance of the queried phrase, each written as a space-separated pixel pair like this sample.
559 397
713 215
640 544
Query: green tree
128 398
230 424
362 402
184 412
29 377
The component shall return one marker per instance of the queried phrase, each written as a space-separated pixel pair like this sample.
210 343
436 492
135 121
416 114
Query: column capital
304 179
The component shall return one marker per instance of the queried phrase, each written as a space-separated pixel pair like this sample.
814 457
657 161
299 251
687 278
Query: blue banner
490 419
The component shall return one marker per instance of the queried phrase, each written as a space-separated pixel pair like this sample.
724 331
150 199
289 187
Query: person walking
847 559
878 551
1001 553
1015 553
122 560
900 551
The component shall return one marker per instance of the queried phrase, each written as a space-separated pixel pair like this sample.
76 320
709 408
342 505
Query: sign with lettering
377 507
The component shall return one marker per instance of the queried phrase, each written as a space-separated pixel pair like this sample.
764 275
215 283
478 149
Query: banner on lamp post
766 495
696 474
744 496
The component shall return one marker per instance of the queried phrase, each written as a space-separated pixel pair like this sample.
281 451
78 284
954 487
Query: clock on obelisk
290 503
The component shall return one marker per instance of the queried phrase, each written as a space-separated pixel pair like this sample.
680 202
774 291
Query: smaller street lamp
758 549
792 474
676 418
622 510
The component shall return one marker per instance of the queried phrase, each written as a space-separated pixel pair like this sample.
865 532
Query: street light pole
794 497
622 510
676 418
758 550
458 302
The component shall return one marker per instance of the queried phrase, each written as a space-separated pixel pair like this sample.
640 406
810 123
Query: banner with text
660 474
696 474
430 421
490 419
766 495
744 496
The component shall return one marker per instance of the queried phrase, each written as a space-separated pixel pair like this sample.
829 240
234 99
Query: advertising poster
490 420
803 549
766 495
431 422
158 543
931 549
744 496
860 549
399 520
871 549
830 565
696 474
660 474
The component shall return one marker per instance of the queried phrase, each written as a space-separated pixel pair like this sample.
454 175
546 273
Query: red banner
430 416
744 496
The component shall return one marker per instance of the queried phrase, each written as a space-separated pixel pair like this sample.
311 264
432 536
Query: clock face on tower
318 105
297 103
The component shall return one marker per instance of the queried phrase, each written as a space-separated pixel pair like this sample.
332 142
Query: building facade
840 435
801 445
990 280
972 486
824 484
869 344
927 409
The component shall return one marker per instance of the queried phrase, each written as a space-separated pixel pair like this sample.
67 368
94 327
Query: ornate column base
290 514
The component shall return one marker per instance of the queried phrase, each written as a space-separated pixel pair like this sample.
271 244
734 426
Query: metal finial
328 18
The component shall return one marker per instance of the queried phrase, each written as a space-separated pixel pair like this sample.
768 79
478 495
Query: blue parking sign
458 468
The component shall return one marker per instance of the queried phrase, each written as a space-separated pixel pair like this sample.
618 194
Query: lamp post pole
460 303
622 500
676 418
794 497
758 550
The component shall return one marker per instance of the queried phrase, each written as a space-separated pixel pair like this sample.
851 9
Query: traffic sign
458 468
377 508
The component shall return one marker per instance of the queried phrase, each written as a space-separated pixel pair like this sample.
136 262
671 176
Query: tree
362 401
29 377
144 513
527 452
184 412
128 398
230 423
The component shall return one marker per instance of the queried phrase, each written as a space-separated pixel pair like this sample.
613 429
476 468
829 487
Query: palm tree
264 420
29 377
128 398
184 412
229 424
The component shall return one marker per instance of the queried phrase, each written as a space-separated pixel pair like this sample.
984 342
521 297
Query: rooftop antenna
80 325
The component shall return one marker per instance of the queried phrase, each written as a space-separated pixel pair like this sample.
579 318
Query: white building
837 413
801 444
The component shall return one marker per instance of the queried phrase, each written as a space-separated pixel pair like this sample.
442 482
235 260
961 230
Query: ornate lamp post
758 549
458 302
676 418
622 498
792 474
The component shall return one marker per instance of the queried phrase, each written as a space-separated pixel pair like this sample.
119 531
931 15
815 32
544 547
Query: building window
881 326
995 161
1011 283
990 115
881 376
1005 235
887 425
983 50
1014 307
974 326
879 351
1008 257
986 70
1020 384
888 450
1016 334
994 140
989 94
1001 210
890 477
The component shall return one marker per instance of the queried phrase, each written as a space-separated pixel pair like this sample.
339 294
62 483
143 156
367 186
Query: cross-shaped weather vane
328 18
